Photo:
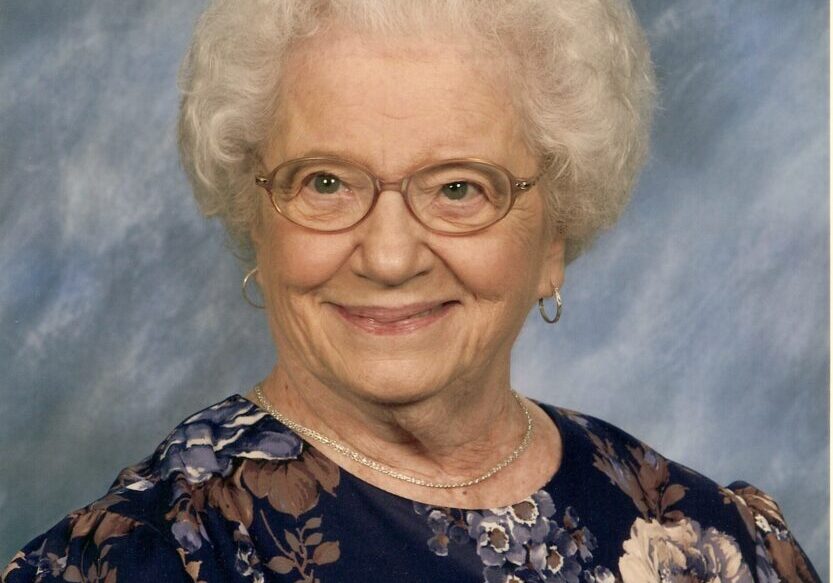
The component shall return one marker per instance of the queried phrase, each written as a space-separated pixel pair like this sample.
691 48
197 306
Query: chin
393 386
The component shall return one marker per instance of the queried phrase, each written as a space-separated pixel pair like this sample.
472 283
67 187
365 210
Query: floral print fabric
233 495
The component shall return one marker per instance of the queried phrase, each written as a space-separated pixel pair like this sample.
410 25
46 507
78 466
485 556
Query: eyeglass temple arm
521 184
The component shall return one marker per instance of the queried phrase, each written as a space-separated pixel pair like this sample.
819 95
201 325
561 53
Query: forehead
393 104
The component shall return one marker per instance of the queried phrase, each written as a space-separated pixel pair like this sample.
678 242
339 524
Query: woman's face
388 310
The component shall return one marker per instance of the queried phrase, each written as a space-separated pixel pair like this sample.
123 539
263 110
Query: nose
391 248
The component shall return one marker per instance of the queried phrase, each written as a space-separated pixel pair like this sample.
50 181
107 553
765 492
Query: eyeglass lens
453 197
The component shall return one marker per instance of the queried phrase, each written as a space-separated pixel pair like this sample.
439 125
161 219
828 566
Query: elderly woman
406 180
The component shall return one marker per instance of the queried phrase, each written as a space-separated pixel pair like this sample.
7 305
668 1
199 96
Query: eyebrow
335 153
424 157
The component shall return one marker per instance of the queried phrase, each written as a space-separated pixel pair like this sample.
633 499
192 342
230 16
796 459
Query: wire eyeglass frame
517 186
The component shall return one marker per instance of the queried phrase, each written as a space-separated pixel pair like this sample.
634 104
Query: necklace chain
383 469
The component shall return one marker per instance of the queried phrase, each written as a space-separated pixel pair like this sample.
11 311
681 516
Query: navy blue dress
234 495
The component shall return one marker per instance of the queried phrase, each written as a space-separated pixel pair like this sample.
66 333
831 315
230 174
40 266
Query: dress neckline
549 486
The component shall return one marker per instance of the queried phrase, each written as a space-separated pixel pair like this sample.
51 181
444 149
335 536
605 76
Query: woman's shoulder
200 452
625 459
129 530
94 544
679 505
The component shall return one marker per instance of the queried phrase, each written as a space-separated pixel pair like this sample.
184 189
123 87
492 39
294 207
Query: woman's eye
456 190
326 183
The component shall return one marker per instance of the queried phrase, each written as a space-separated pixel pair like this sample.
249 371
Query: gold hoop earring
246 280
556 296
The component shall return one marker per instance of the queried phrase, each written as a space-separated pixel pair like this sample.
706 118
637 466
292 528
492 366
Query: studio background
700 324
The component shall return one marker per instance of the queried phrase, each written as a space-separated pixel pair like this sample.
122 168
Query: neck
454 433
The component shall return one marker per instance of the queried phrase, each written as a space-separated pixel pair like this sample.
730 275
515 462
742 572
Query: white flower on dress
681 552
140 485
762 523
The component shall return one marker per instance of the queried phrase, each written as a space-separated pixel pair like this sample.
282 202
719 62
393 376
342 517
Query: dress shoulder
95 544
685 511
148 526
763 516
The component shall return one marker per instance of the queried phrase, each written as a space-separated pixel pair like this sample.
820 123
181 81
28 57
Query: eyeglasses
452 197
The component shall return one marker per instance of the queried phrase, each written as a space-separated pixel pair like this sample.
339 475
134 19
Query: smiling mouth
402 320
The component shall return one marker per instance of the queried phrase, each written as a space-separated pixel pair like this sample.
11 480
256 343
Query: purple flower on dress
510 574
445 526
188 535
584 539
554 559
47 563
445 530
520 543
51 565
529 518
496 542
246 561
204 444
599 575
438 522
243 562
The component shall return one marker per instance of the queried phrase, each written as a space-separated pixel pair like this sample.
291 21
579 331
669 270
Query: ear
552 270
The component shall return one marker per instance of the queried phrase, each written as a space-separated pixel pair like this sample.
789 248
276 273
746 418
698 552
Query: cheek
293 258
497 269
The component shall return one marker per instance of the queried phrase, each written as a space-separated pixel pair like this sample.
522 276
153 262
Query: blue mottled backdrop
700 323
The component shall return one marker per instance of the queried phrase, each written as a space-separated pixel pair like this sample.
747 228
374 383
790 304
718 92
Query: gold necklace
383 469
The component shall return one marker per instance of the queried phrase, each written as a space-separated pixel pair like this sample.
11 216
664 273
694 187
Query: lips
395 320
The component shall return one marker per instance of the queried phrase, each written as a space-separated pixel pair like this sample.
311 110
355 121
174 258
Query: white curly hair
584 91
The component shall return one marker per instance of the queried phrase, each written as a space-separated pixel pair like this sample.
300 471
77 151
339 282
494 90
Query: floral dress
234 495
